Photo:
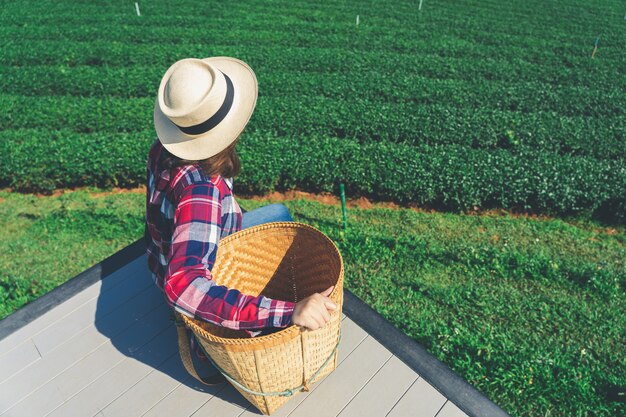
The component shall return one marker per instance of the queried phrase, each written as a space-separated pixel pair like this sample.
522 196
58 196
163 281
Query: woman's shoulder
193 175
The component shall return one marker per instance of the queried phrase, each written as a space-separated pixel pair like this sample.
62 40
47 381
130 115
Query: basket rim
288 332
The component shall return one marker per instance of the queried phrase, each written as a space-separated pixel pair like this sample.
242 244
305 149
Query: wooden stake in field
420 6
137 8
357 19
343 207
595 47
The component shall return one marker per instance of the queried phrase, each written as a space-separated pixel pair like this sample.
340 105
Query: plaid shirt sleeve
189 286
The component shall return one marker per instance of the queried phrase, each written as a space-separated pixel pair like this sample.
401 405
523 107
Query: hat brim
197 147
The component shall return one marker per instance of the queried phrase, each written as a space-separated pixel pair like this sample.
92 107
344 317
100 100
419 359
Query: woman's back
187 213
165 188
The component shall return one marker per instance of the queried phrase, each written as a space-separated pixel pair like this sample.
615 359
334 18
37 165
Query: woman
202 107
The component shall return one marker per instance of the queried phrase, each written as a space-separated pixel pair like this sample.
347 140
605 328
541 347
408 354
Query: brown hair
226 163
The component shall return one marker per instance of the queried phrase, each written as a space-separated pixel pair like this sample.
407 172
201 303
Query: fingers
325 314
327 291
329 304
316 318
314 311
319 320
311 323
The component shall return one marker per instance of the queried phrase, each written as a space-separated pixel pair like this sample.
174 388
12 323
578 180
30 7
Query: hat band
214 120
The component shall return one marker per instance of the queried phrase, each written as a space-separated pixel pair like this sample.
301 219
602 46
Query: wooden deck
103 345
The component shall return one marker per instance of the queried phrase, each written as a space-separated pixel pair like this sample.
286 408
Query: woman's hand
313 311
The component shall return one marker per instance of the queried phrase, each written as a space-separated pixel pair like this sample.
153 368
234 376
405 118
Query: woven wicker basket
284 261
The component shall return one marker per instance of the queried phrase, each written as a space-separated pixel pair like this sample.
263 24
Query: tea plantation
457 106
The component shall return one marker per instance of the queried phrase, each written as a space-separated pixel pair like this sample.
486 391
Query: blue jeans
270 213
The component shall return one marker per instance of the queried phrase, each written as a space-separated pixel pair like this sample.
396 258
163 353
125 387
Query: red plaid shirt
187 213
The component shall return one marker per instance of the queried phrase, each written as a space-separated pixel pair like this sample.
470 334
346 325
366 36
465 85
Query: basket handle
185 355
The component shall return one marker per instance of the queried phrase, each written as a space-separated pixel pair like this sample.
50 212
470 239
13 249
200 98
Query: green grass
48 240
531 312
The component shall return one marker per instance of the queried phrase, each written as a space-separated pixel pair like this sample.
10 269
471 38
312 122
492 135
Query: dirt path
325 198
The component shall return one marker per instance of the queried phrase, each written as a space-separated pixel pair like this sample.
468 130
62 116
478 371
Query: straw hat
203 105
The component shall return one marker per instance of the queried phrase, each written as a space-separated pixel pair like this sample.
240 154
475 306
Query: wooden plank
14 340
420 400
451 410
95 310
17 359
185 399
227 403
72 380
111 330
120 378
351 336
150 390
160 394
132 311
383 391
31 329
343 383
